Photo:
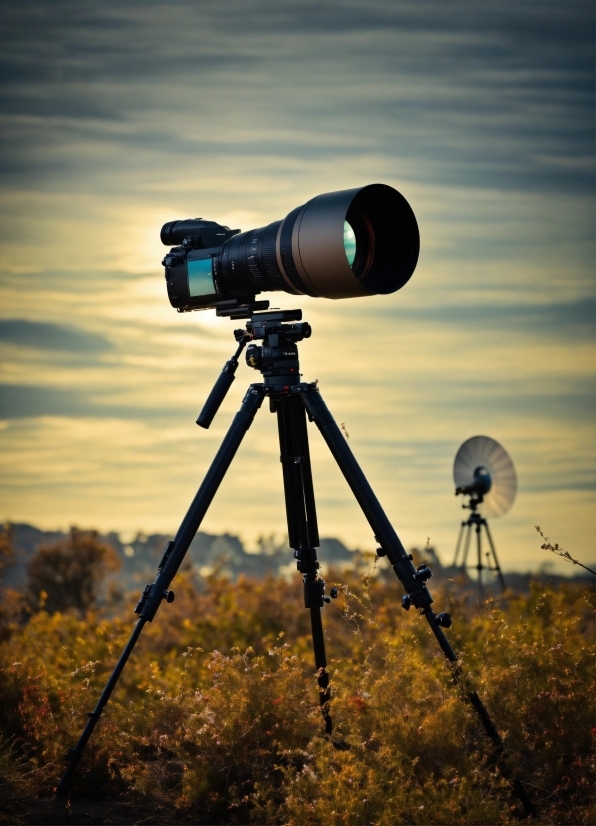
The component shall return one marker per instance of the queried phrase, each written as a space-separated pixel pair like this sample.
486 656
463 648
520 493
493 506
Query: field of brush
216 717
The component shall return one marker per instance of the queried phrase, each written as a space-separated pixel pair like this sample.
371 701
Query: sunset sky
119 116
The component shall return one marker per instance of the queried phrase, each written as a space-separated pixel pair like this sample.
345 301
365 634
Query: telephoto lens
356 242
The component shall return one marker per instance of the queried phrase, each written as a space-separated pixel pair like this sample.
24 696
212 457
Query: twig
560 552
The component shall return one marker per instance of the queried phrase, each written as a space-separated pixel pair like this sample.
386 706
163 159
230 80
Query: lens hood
387 243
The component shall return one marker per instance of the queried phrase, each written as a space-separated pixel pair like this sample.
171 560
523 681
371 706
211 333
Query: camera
346 244
479 487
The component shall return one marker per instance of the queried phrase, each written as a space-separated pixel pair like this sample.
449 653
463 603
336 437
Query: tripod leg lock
73 756
314 592
143 599
444 619
306 560
414 583
166 553
151 599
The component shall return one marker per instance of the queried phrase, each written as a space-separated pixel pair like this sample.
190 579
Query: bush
216 716
68 574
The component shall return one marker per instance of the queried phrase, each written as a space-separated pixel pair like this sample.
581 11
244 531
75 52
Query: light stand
476 522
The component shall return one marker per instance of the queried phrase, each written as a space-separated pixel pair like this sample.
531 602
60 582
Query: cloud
483 95
45 336
574 321
23 401
118 116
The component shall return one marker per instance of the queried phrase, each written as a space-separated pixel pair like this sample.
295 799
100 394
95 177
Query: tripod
476 522
292 400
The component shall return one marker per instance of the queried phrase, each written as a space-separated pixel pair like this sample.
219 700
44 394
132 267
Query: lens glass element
200 277
349 243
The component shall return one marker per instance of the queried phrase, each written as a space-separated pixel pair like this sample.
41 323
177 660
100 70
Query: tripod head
473 502
276 357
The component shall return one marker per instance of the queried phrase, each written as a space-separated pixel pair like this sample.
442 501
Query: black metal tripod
476 522
290 399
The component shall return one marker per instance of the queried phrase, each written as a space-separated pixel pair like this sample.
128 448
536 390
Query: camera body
191 267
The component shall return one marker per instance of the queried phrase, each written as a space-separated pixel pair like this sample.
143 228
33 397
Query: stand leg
459 538
496 561
413 580
171 561
479 566
466 545
303 531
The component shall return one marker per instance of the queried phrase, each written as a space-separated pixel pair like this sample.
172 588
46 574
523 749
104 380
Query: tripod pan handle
218 393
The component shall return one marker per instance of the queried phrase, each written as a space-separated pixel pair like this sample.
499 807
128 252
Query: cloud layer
119 116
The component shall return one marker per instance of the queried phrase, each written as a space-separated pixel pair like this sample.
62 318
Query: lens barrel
355 242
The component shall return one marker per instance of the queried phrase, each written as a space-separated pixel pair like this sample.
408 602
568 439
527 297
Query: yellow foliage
217 711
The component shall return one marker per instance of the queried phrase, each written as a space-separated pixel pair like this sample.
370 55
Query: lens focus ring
269 257
285 252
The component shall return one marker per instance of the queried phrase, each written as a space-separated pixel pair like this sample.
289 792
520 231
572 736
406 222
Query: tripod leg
318 643
479 566
496 561
297 475
413 580
171 561
303 531
459 538
74 755
466 545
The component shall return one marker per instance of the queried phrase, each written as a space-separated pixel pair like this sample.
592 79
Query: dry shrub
217 716
68 574
12 602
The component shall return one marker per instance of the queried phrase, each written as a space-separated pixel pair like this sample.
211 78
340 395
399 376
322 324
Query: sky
119 116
